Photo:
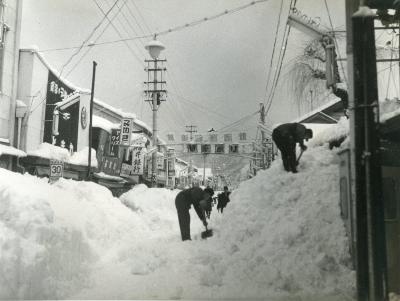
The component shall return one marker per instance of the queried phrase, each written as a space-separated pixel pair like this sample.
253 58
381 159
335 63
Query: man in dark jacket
193 196
223 199
285 137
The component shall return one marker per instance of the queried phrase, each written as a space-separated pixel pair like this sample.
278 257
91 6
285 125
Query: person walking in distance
286 136
184 200
223 199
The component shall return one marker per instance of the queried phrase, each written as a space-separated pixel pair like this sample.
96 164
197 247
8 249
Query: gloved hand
303 147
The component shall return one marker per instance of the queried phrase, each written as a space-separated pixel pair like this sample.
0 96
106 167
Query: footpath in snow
281 237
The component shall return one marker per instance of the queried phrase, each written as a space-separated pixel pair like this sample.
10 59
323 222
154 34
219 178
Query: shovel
298 159
207 233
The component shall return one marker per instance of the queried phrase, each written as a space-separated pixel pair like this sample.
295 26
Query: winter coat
288 134
223 199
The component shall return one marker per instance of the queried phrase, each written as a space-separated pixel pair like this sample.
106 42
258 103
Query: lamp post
155 94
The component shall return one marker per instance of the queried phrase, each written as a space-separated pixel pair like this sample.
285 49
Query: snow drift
281 237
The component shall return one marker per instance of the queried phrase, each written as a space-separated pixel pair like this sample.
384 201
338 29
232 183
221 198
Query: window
206 148
192 148
184 137
219 148
242 136
198 138
170 137
228 137
233 148
389 199
213 137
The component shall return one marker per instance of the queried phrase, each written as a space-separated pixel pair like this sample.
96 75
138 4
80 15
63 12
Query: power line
205 109
273 48
167 31
87 39
238 121
280 62
98 37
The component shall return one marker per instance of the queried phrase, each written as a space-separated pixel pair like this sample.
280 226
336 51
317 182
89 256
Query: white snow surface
281 237
12 151
49 151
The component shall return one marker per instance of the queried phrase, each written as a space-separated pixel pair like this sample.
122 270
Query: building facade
10 28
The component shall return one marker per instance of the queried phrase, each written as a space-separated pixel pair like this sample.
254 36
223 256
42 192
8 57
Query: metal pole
370 231
155 108
90 120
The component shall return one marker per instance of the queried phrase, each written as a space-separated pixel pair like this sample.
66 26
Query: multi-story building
10 28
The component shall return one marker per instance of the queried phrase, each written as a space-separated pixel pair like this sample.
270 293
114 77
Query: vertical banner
137 160
135 165
115 140
126 129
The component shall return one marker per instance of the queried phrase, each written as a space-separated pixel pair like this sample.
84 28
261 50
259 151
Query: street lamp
154 95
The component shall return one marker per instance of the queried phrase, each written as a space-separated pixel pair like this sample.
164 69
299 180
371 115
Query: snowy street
281 237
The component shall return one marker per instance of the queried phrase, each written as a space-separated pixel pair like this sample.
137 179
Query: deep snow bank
280 236
50 235
285 231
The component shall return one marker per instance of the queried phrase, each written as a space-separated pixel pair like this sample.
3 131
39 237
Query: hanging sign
115 140
135 167
126 129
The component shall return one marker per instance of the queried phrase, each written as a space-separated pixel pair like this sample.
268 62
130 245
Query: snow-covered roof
100 122
319 109
102 175
119 112
143 124
11 151
388 109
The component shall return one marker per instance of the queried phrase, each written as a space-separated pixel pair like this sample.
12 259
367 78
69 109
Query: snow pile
330 132
12 151
52 235
49 151
281 236
285 233
81 157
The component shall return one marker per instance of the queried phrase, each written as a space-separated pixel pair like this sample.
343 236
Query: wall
12 17
32 86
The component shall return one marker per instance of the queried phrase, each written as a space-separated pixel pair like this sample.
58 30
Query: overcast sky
217 70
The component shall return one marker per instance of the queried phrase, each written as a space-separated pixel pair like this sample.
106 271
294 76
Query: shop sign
126 129
115 140
56 170
111 165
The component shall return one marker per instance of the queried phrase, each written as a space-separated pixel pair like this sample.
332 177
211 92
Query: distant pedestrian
184 200
285 137
208 208
223 199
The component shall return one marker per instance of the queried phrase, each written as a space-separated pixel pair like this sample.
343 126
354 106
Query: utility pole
190 129
154 94
365 161
90 120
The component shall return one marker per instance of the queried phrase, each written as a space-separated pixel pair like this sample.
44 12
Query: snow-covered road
281 237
